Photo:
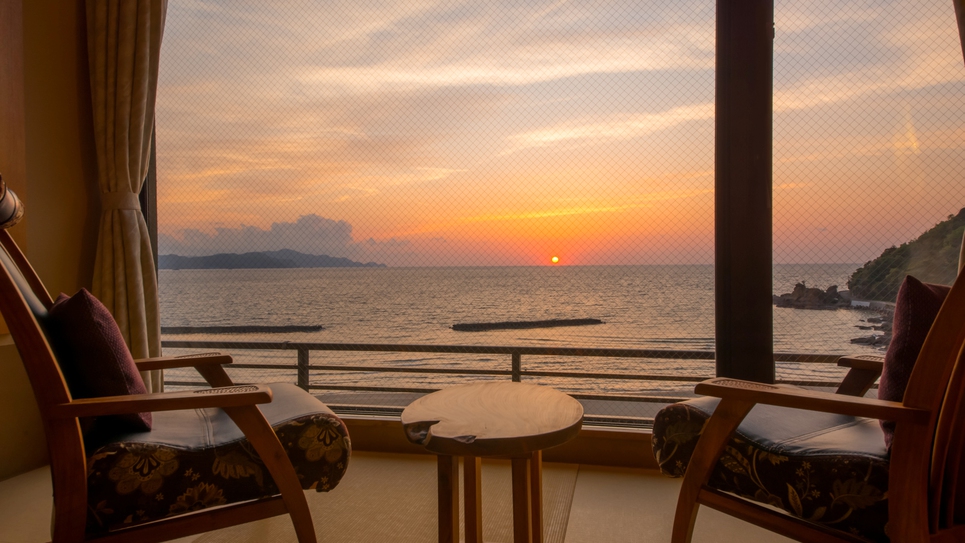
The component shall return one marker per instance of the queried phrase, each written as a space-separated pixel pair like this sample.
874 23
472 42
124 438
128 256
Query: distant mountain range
285 258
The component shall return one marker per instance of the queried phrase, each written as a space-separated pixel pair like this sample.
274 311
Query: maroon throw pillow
915 311
93 356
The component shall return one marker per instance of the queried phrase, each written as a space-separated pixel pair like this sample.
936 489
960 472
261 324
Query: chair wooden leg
70 487
522 500
907 512
536 489
447 474
263 438
726 418
472 498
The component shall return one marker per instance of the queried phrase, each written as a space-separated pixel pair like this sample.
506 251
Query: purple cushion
93 357
915 311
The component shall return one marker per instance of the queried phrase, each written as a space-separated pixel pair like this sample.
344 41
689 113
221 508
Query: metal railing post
517 367
303 359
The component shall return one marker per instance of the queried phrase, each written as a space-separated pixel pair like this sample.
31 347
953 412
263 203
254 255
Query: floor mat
391 497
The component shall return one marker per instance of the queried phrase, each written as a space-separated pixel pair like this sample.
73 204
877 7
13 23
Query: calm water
647 307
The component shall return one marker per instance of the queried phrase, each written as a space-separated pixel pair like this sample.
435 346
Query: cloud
309 234
414 117
626 203
331 149
633 126
509 43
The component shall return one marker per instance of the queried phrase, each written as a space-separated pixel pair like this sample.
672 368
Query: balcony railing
515 370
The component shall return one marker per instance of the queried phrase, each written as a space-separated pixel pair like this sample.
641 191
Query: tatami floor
604 505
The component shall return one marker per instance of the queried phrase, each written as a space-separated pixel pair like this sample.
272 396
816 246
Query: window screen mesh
376 172
867 105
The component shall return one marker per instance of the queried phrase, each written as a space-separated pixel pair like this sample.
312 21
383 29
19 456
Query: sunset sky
507 132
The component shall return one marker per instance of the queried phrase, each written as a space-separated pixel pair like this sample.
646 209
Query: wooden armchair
815 466
213 458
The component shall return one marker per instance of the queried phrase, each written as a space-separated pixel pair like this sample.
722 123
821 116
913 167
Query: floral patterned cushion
196 459
826 468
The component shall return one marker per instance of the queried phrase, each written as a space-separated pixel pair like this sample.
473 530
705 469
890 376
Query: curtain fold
124 45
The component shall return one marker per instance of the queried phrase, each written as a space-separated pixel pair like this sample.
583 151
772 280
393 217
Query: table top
494 418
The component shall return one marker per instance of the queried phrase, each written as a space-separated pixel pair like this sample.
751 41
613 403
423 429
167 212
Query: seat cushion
194 459
830 469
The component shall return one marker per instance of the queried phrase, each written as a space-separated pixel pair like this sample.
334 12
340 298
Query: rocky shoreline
879 324
804 297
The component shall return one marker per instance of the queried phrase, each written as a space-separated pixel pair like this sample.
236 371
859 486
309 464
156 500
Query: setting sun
555 259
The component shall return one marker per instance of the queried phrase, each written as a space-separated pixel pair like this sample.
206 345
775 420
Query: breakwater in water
239 329
522 325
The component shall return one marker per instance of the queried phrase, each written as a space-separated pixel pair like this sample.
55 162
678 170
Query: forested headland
931 258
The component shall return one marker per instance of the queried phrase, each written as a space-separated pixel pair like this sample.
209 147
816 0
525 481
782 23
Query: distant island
932 258
285 258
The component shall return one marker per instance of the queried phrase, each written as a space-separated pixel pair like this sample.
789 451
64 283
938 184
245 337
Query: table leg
522 500
448 478
536 486
471 474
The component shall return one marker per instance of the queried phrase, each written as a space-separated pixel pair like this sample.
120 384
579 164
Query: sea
642 307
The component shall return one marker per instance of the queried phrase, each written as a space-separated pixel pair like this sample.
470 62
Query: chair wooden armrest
165 401
209 365
863 361
865 370
786 396
184 361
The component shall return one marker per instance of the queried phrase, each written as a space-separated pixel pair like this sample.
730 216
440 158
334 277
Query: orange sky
503 133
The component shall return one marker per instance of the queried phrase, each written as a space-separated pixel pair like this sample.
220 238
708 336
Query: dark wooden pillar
744 324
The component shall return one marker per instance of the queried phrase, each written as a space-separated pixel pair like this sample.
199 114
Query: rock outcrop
804 297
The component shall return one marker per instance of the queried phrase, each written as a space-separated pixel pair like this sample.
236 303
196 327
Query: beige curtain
124 43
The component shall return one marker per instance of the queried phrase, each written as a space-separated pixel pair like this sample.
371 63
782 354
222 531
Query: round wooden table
494 419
